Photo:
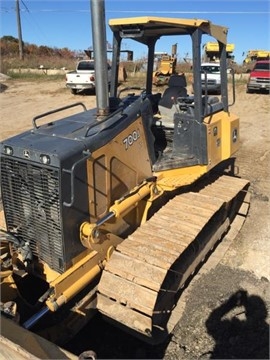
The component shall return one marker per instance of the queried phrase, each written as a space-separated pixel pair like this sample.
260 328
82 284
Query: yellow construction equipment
253 55
211 51
165 68
114 208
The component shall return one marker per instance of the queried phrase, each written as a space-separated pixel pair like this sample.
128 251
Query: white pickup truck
210 77
83 78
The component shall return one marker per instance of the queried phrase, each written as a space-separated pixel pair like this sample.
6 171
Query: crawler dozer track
140 285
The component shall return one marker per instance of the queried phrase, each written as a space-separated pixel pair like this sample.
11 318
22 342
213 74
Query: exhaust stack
100 57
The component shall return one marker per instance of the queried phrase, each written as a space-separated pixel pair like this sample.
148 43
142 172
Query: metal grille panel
31 201
263 80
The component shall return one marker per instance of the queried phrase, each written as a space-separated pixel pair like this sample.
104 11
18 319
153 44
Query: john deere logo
234 135
26 154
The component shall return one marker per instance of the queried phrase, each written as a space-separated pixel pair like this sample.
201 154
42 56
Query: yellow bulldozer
112 210
166 66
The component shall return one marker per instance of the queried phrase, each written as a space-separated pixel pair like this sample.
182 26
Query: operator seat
176 88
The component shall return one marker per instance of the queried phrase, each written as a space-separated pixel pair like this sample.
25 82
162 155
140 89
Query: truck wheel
74 91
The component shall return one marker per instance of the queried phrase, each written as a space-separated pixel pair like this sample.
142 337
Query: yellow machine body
253 55
211 51
166 66
213 47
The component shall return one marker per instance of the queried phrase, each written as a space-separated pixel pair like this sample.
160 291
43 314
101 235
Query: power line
33 20
165 11
25 6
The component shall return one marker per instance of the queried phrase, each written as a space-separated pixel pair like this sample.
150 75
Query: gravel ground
226 314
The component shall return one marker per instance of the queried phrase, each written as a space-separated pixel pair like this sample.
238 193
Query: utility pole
19 29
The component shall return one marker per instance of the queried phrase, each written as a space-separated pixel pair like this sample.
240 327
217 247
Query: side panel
222 137
214 140
119 166
231 136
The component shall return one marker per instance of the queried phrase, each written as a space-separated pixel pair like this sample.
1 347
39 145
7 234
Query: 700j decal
131 138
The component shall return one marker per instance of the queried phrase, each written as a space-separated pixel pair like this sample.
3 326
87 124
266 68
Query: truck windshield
262 66
86 65
210 69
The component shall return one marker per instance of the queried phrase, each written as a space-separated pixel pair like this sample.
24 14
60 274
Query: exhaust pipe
100 57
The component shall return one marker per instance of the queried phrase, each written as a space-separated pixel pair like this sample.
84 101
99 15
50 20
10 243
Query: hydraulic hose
35 318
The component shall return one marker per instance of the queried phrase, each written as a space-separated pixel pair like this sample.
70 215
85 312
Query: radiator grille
30 195
263 80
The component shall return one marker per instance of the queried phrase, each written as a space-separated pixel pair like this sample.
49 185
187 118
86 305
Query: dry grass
34 62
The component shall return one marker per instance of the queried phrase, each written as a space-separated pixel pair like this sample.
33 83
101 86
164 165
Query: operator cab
168 103
178 125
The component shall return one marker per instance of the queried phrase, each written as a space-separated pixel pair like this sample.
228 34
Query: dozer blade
139 287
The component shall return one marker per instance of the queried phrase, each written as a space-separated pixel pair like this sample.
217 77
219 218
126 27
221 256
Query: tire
74 91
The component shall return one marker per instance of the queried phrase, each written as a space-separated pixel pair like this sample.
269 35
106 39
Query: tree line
9 47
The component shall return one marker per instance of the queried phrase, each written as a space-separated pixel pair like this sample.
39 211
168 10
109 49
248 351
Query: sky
67 24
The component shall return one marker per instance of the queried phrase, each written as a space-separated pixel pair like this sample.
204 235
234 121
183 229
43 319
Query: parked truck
259 77
210 78
83 78
252 56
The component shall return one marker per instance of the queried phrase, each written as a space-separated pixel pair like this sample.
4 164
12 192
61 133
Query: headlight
45 159
8 150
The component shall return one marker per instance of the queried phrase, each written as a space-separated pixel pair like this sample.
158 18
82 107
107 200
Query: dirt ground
226 313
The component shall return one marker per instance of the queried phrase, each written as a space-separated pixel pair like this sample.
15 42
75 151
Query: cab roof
147 27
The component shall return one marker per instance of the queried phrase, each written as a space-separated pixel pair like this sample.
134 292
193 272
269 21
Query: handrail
55 111
72 177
